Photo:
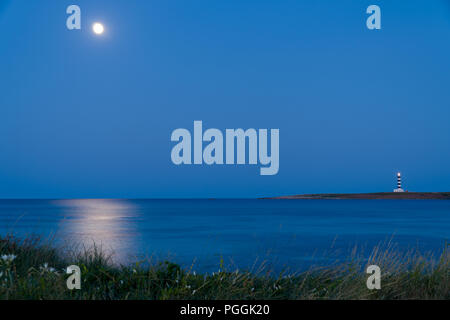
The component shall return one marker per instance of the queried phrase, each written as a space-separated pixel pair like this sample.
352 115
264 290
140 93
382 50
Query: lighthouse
399 183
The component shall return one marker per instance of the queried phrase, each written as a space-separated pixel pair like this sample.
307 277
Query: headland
372 196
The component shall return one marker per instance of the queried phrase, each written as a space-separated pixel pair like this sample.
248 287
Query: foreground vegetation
31 269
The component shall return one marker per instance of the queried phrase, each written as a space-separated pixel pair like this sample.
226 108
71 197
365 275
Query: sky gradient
83 116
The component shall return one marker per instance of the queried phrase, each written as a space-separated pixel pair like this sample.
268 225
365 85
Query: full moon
98 28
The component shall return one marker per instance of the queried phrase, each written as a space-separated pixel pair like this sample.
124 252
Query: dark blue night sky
86 116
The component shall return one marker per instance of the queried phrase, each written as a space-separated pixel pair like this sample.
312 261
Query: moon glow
98 28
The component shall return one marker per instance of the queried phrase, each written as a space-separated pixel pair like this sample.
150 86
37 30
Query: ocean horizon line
299 196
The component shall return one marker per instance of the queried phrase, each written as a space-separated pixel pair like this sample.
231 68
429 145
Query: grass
37 271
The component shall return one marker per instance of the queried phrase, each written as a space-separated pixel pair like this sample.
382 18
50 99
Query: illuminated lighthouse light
399 183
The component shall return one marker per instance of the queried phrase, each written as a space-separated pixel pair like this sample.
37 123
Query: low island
369 196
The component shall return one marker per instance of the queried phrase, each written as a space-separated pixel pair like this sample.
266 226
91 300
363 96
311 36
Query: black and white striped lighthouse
399 183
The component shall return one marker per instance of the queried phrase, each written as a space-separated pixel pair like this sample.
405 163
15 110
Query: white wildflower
8 257
46 268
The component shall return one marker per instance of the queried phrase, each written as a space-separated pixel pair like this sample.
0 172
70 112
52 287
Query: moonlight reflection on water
107 223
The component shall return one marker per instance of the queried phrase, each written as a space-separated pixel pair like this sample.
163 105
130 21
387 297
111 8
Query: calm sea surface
285 233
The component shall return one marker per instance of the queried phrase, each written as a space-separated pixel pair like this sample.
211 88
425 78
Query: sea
254 234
